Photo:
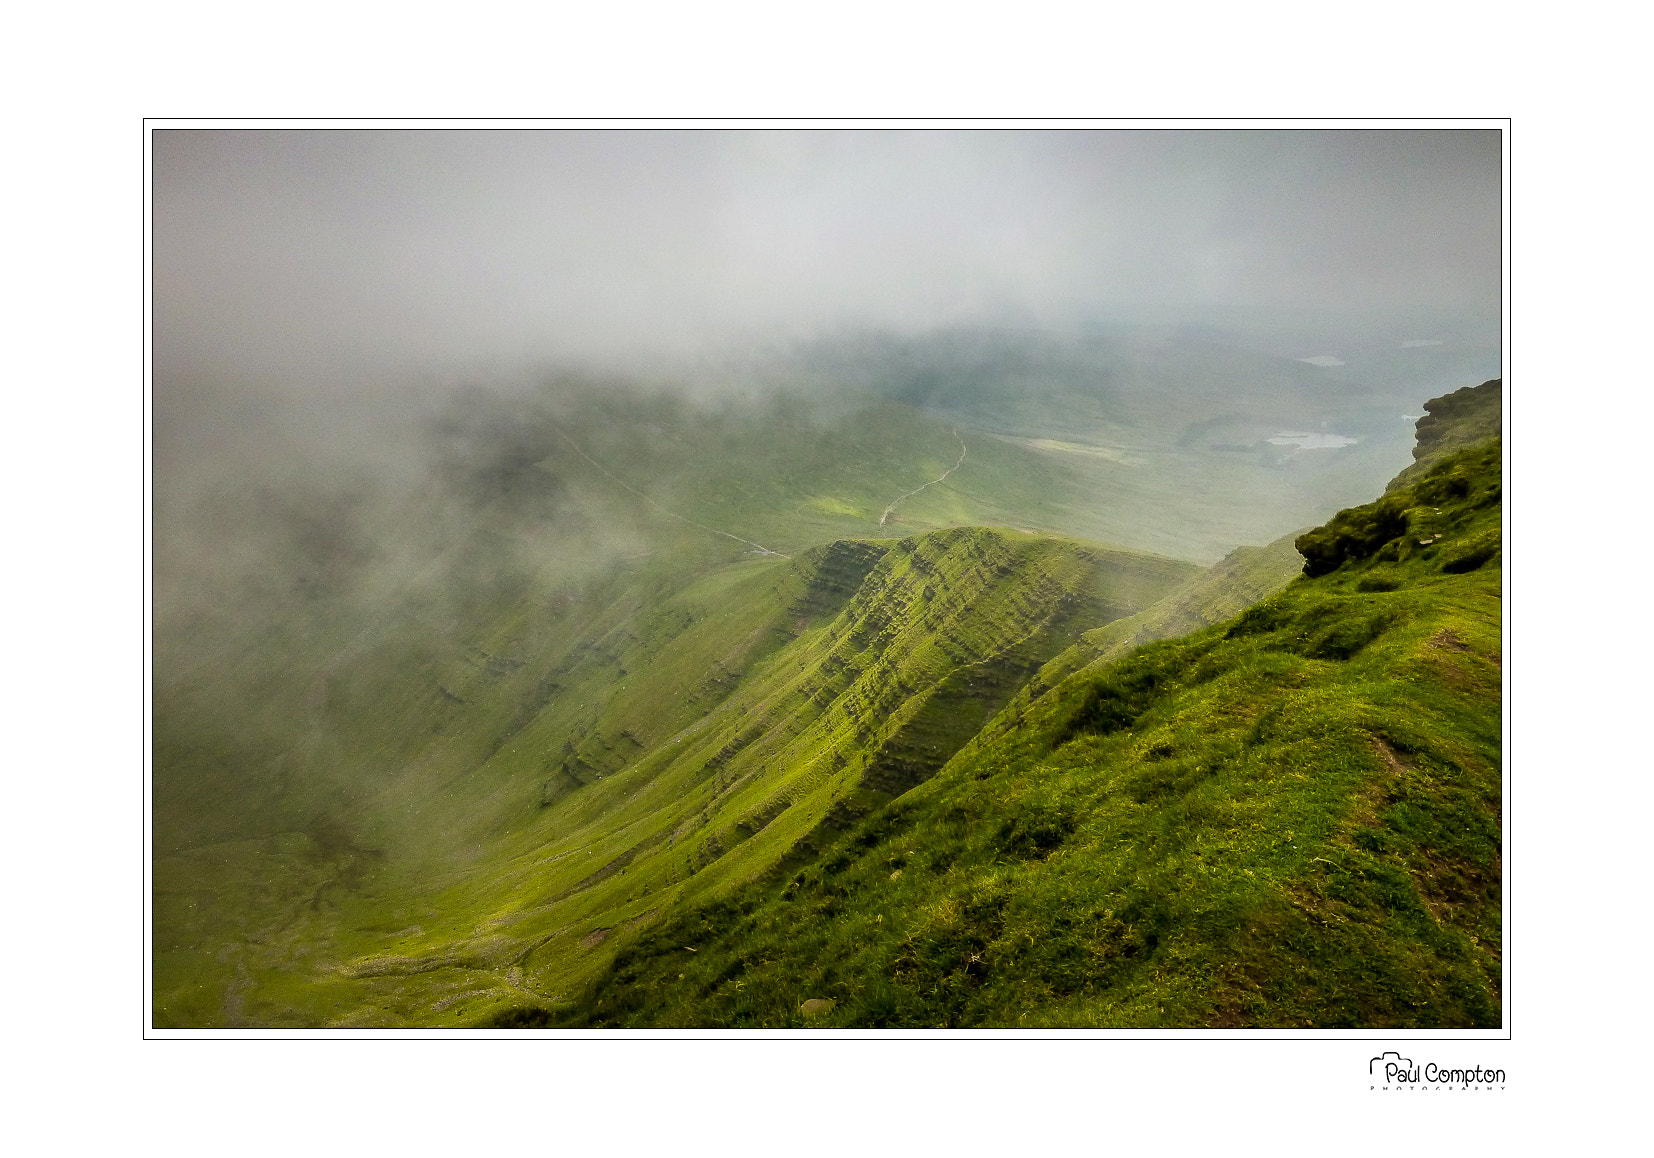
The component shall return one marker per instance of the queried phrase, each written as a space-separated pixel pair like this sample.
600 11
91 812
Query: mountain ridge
1148 843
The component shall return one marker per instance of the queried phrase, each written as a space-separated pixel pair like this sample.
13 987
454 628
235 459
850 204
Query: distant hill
1243 577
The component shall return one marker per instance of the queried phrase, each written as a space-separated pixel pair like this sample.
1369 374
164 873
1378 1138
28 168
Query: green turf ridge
1288 820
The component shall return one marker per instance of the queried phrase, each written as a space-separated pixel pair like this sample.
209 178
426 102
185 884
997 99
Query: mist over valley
573 549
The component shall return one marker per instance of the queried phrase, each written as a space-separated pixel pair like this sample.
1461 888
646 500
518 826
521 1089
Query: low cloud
339 258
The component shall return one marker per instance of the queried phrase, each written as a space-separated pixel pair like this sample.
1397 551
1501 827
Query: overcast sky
282 254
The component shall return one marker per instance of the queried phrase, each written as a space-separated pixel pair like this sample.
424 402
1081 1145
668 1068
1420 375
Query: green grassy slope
663 747
1240 579
1290 819
422 776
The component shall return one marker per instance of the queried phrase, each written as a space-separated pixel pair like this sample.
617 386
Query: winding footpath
931 483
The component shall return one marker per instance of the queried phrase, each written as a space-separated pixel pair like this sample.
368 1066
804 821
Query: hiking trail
931 483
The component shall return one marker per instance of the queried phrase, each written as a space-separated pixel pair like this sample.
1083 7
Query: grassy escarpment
1292 818
601 760
938 631
940 634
